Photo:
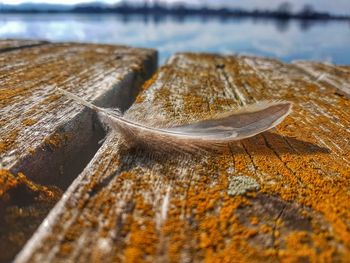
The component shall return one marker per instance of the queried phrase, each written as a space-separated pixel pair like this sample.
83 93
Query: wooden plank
279 196
32 110
46 140
337 77
13 44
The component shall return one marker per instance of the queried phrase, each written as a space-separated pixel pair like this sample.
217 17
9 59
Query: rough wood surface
45 139
279 196
337 77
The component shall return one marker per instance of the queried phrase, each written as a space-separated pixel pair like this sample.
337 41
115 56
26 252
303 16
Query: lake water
291 40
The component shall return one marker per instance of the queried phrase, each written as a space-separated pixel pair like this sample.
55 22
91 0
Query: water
289 40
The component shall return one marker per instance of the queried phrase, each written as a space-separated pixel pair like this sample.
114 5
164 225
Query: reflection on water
284 39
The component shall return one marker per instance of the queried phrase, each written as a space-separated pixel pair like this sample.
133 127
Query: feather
207 134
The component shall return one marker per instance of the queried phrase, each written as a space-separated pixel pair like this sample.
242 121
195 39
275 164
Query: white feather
207 134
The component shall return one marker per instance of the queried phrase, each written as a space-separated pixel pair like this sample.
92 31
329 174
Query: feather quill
207 134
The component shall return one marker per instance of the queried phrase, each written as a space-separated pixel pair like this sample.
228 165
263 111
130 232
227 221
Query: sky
333 6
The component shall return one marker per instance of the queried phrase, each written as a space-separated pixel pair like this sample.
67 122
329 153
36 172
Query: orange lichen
140 247
7 181
2 147
23 205
141 97
7 94
56 140
8 141
254 220
298 248
29 122
66 248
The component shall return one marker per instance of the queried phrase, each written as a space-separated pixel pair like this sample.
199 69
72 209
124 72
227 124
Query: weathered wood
279 196
13 44
336 77
45 139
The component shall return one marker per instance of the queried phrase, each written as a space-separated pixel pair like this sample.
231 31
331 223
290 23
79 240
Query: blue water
324 41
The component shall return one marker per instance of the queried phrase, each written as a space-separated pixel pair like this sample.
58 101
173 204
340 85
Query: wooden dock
281 196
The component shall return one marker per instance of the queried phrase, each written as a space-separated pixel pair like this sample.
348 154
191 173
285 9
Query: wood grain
279 196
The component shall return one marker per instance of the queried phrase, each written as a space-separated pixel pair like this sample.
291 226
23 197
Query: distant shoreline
177 11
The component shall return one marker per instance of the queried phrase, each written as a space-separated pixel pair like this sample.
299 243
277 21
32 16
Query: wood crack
268 145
